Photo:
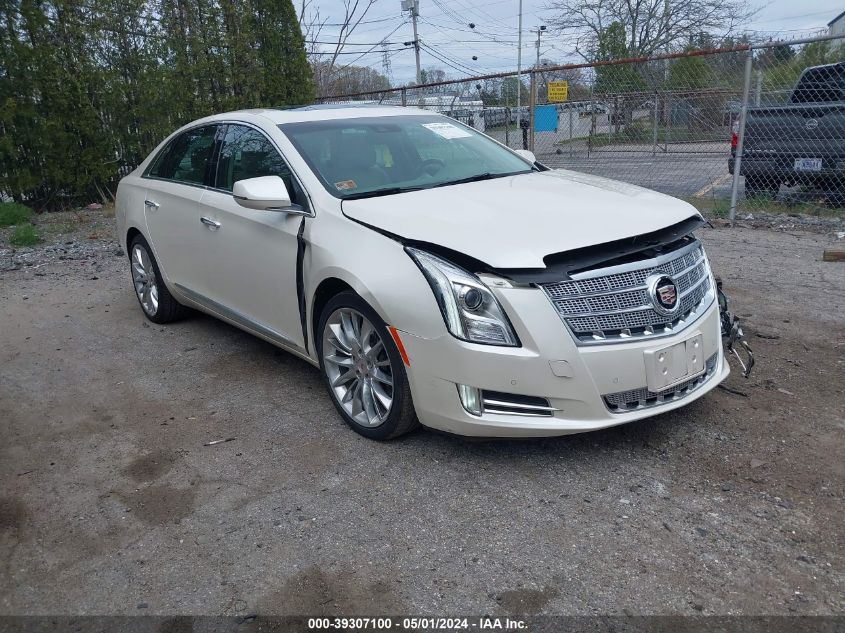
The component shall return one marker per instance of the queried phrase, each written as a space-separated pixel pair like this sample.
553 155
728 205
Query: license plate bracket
675 363
808 164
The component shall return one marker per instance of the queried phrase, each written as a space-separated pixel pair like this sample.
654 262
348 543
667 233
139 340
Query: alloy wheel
144 278
358 368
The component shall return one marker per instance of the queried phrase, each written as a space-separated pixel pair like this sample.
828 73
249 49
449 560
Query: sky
450 44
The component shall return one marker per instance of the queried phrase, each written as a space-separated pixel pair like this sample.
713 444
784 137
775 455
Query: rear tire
157 304
363 370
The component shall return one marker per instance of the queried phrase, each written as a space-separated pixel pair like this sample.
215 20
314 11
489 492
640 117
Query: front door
251 255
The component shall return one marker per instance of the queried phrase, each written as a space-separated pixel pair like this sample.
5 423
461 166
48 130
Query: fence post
532 104
668 123
758 88
404 97
743 113
654 126
592 122
507 125
570 130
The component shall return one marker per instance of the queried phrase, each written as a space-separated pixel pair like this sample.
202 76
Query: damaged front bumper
732 334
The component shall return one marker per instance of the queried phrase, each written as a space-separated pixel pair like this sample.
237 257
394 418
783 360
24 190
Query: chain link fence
731 130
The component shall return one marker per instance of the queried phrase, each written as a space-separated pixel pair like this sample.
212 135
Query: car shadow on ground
649 432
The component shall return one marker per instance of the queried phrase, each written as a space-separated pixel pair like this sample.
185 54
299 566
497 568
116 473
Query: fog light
471 399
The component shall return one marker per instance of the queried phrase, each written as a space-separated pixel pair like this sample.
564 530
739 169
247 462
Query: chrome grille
642 398
606 308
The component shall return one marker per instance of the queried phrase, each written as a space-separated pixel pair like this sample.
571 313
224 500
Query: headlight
470 310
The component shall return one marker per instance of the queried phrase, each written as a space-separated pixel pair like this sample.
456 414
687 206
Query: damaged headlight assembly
471 311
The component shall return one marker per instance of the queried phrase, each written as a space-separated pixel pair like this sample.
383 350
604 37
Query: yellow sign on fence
558 91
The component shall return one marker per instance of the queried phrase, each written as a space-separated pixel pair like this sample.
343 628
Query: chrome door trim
245 323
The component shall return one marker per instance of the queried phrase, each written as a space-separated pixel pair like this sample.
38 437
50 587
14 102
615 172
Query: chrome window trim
145 175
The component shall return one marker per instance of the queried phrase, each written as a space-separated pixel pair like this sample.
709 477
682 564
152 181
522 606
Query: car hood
514 222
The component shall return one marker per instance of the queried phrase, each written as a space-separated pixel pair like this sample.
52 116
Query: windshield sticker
446 130
345 185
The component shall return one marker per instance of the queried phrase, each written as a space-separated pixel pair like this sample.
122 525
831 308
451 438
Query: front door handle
150 204
210 223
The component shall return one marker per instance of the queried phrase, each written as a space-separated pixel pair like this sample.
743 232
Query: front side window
247 153
367 156
187 156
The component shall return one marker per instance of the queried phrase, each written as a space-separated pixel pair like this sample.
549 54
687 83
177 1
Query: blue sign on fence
545 118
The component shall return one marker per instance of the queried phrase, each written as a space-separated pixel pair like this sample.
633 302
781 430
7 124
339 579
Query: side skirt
242 322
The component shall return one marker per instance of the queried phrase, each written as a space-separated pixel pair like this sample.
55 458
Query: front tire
363 370
157 304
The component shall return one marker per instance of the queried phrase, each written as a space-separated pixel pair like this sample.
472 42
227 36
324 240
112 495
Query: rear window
820 85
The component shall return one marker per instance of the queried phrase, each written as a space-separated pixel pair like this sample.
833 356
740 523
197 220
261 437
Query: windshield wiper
484 176
387 191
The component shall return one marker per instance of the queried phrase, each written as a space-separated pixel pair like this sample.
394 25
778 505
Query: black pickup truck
799 143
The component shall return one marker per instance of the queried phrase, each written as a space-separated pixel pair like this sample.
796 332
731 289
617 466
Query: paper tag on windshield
345 185
446 130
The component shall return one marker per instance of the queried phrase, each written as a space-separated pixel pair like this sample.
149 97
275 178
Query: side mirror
527 155
264 193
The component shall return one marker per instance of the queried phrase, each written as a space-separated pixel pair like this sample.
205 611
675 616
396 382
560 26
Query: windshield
364 157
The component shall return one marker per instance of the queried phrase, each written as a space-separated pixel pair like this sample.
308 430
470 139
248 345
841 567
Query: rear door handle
150 204
210 223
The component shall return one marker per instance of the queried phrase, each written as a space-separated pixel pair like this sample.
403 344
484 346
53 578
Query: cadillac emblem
663 292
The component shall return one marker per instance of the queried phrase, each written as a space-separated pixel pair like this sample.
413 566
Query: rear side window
247 153
187 157
819 85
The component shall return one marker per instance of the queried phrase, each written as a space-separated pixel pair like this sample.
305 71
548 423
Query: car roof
318 112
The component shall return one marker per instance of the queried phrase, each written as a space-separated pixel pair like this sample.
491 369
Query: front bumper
549 365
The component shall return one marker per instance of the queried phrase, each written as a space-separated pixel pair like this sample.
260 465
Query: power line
437 56
400 25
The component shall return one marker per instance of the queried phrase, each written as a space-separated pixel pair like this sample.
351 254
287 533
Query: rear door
251 255
175 183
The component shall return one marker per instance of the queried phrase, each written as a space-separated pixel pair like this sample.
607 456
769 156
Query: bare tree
324 50
650 25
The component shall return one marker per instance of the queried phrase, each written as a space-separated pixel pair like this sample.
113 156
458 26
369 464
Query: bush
24 235
14 213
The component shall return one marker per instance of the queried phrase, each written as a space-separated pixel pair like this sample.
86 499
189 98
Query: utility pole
414 7
540 29
519 68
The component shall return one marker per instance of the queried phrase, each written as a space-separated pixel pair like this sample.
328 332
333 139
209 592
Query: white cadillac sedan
433 275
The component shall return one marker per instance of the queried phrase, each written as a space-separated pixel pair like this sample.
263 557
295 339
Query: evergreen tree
88 89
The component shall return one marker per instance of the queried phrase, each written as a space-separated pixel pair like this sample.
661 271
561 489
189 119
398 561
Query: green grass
24 235
12 213
720 207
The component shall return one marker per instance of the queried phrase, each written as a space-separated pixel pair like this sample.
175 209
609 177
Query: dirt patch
160 505
315 591
150 467
13 514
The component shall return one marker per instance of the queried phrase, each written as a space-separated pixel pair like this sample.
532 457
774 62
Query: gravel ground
111 502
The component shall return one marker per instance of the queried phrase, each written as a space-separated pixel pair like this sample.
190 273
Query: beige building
837 25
